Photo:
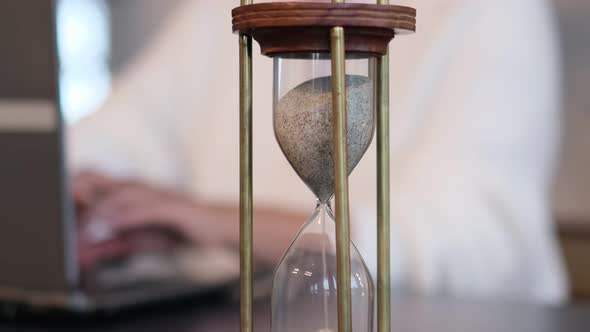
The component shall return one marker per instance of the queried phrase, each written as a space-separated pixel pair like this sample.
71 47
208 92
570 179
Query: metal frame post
383 195
341 177
246 206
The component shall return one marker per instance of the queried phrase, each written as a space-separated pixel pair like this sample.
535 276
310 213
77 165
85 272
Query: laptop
38 260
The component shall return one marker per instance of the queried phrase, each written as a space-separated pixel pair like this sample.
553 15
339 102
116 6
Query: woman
475 117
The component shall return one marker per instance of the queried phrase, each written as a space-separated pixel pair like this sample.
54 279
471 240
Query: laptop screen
35 228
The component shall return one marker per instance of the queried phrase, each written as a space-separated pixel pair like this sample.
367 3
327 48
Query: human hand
118 217
115 215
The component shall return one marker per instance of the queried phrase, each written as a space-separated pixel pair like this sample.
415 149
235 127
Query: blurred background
107 34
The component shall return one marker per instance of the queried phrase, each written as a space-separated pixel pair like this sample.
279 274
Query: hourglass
331 74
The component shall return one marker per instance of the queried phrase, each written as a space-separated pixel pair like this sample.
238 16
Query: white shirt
474 123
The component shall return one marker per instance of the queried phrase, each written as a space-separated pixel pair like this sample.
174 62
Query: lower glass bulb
304 296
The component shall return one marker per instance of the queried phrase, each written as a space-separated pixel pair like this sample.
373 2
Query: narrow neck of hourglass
327 205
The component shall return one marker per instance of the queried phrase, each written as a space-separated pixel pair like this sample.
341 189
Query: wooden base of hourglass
304 27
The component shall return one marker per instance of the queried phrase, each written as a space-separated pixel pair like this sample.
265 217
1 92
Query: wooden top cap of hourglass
304 27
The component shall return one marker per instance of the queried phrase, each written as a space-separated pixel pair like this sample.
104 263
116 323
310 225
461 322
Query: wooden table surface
409 315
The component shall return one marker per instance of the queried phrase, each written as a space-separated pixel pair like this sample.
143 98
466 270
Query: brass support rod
383 195
383 213
341 179
246 181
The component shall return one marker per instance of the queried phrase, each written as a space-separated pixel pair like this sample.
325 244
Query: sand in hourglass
303 128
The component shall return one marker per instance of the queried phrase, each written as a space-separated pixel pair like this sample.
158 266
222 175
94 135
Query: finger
123 198
143 215
95 230
159 216
89 255
88 186
184 222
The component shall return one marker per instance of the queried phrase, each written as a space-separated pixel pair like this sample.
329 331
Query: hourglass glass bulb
305 284
303 128
304 287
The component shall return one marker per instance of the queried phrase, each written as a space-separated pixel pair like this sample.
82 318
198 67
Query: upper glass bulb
303 116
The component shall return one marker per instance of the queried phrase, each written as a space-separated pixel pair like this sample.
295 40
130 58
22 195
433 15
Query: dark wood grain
283 28
574 236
